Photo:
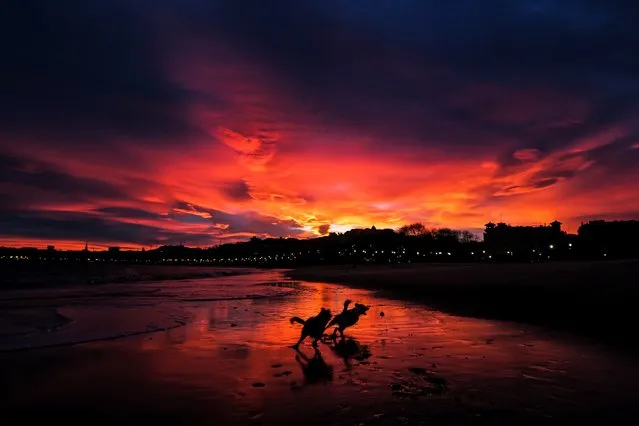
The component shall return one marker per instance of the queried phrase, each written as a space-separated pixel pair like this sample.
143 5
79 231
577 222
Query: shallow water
37 318
221 357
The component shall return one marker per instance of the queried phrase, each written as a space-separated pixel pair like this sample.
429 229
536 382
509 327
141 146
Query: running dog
347 318
313 327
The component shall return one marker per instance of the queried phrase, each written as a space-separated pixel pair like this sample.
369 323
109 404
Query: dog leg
299 342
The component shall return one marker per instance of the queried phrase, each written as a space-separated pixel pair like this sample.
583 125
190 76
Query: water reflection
235 353
314 369
348 349
486 364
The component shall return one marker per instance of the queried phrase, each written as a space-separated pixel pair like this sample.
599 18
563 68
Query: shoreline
589 300
231 364
41 278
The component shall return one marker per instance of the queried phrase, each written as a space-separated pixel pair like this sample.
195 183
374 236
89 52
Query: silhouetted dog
313 327
348 317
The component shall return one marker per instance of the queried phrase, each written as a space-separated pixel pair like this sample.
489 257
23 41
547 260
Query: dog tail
298 319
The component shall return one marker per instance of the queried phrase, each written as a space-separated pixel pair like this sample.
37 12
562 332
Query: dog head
361 308
325 314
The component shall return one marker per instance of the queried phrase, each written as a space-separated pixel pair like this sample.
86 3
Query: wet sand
229 364
593 300
27 274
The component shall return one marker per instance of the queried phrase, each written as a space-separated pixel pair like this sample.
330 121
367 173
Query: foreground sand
230 364
592 299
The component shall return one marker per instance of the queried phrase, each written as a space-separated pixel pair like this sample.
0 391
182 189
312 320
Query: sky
142 123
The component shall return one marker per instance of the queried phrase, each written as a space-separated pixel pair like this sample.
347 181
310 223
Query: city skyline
125 125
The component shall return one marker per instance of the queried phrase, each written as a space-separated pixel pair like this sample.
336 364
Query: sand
591 299
229 363
26 274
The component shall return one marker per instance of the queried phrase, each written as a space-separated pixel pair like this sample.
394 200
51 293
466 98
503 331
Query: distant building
114 249
611 238
504 238
50 248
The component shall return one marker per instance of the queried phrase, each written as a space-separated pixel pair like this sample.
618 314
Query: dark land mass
595 300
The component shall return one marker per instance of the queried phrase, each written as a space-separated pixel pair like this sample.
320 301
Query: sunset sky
138 123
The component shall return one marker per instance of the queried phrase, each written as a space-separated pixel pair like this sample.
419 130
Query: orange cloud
234 143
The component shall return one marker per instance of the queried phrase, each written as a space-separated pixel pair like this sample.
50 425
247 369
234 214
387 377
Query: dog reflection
315 369
349 349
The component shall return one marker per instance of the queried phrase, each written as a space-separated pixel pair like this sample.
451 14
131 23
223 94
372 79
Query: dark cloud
55 225
544 183
87 74
607 215
29 181
106 227
238 190
618 156
398 76
129 213
94 71
522 81
323 229
97 65
251 222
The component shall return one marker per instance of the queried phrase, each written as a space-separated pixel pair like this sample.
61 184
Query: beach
216 351
589 299
29 275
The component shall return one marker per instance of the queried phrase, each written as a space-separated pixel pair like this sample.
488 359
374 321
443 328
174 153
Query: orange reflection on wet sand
232 365
240 349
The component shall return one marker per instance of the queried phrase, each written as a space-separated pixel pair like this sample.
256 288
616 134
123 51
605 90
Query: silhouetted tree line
410 244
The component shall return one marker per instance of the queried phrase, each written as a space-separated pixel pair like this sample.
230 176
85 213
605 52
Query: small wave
31 321
165 277
155 329
286 284
247 297
129 276
76 295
